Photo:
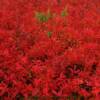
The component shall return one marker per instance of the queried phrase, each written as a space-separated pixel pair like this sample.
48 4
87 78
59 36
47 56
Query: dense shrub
49 50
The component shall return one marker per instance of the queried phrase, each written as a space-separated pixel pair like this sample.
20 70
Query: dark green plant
49 34
43 17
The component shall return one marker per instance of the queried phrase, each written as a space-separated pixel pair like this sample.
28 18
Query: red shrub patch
49 49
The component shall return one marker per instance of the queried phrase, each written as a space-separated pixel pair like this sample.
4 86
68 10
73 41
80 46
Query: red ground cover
49 50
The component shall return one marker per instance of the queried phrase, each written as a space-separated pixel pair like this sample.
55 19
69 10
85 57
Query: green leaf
43 17
49 34
64 13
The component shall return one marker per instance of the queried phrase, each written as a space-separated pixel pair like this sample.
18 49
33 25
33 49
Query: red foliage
49 48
